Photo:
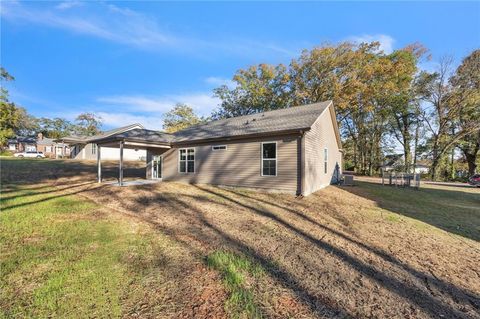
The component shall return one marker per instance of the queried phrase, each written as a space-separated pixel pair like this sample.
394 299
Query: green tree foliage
9 116
258 89
56 127
358 78
466 94
378 97
180 117
14 120
451 112
88 124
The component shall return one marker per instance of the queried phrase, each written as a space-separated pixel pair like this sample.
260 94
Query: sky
130 62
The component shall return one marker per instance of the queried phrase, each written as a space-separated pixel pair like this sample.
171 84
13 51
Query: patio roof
137 138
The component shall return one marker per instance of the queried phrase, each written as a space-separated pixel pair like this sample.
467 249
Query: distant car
30 154
474 180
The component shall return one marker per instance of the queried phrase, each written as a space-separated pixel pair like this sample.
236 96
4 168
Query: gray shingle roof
46 141
141 135
289 119
88 139
283 120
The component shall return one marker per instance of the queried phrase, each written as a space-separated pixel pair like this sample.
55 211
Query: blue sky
132 61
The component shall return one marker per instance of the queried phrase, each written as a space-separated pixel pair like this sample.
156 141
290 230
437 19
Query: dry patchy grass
341 252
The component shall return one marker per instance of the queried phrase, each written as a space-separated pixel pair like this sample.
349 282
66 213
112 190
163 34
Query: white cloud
218 81
96 19
65 5
202 103
132 28
386 41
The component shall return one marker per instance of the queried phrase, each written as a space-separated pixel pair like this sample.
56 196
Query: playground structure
401 179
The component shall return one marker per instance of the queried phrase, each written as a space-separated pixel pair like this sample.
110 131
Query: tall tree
403 104
88 124
466 91
259 88
443 113
358 78
180 117
55 128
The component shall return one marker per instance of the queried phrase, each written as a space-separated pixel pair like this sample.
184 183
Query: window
219 147
48 149
325 160
269 159
186 159
94 149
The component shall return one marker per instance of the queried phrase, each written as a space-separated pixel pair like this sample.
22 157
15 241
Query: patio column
99 164
120 177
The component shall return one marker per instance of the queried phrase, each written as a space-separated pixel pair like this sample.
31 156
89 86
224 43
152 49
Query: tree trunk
435 160
472 165
415 146
452 167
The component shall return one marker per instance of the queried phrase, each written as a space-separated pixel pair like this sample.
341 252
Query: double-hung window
94 149
325 160
186 157
269 159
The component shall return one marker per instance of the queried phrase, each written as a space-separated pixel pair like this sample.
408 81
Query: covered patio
133 139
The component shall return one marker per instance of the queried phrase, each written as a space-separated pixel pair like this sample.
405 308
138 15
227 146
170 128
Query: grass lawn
70 247
454 209
63 256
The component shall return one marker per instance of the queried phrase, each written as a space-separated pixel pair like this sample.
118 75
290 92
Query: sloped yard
175 250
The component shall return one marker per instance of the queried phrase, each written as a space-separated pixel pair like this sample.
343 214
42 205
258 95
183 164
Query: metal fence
400 179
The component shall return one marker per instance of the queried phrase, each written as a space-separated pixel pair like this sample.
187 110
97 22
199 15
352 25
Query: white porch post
120 177
99 164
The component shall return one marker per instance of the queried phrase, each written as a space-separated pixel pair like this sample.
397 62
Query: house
51 148
22 144
392 162
81 147
297 150
396 162
422 168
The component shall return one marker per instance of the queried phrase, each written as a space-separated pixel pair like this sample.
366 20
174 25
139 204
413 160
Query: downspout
301 165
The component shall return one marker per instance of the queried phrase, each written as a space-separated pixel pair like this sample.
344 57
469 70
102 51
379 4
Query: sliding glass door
157 167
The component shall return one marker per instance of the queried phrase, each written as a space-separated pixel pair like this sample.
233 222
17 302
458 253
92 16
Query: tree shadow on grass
440 284
201 228
457 212
417 296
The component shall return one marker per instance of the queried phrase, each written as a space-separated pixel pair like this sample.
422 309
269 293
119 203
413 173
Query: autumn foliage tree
180 117
381 99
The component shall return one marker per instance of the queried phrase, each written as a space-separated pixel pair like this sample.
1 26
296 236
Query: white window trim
94 149
325 160
220 149
276 158
186 160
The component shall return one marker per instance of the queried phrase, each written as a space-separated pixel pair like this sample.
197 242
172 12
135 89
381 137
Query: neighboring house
22 144
297 149
396 162
81 147
51 148
392 162
421 168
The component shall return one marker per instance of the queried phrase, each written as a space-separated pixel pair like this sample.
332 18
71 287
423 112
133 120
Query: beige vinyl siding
321 136
238 165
